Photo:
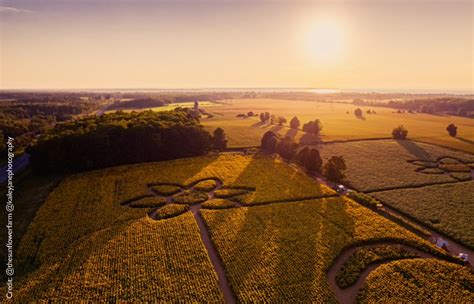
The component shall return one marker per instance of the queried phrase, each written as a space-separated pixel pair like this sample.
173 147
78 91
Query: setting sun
325 41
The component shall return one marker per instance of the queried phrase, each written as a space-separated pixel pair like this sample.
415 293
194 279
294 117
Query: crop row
365 256
418 281
277 252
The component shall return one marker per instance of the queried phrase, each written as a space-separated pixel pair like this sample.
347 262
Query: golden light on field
325 41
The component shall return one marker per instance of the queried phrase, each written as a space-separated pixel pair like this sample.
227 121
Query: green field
448 208
84 245
337 124
381 164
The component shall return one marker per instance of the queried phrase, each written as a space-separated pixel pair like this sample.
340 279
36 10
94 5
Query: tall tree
295 123
219 141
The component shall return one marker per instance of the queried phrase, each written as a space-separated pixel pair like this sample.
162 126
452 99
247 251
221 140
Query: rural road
19 164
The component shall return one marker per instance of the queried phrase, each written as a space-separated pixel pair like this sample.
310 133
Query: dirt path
213 256
349 294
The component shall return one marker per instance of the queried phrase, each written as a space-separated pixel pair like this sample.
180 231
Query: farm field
282 251
382 164
119 253
168 107
416 280
337 124
448 208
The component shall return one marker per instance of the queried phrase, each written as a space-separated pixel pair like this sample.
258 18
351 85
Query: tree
270 141
267 116
310 159
313 127
272 118
294 123
218 140
250 114
400 132
281 121
334 167
358 113
452 130
286 148
262 117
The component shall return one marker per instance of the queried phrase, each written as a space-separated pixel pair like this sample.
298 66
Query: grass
281 252
363 257
446 208
337 124
381 164
420 281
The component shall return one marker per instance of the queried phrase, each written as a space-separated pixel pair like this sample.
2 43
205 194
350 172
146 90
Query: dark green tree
334 167
270 141
400 132
286 148
219 141
294 123
452 130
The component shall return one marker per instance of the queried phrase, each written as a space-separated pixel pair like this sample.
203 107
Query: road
19 164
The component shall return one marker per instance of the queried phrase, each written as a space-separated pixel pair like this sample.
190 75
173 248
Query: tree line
121 138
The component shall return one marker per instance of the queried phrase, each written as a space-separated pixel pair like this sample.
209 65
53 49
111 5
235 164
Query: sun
325 41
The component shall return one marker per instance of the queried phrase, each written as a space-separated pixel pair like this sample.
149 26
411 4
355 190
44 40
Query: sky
364 45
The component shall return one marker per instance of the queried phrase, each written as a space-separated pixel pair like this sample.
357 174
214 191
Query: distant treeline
119 138
447 105
150 101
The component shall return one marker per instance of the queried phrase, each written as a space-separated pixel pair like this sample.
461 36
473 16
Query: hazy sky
413 45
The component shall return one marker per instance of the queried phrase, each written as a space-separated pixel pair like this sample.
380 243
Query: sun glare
325 41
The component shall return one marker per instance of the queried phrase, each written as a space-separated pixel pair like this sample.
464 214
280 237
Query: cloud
13 10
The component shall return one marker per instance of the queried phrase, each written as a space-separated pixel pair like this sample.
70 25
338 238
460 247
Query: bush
295 123
334 167
270 141
400 132
313 127
452 130
250 114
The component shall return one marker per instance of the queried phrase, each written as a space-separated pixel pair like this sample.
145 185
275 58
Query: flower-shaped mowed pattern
166 200
444 165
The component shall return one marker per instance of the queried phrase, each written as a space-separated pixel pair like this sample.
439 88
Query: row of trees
122 138
307 157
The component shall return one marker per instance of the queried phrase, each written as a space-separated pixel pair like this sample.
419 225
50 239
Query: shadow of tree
258 124
309 139
291 132
276 128
414 149
467 141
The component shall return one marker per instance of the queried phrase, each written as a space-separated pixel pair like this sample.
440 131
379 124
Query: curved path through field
349 294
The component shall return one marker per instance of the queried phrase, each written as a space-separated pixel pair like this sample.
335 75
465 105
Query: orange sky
397 45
